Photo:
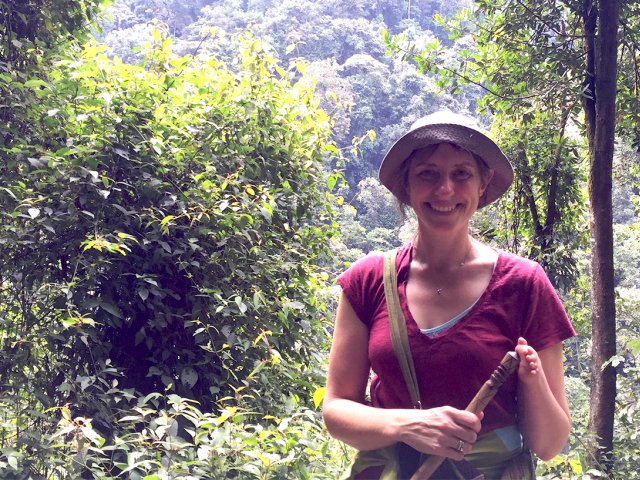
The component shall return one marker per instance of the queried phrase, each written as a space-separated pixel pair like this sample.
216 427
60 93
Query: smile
442 209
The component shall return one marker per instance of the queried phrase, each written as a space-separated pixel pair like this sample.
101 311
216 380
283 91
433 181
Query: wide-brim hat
449 127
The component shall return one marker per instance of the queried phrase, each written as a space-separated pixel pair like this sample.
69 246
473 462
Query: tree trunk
603 322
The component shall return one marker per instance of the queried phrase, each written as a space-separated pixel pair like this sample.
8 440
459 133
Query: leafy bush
166 217
162 436
161 230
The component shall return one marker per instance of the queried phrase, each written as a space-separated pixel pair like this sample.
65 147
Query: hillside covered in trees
180 185
342 46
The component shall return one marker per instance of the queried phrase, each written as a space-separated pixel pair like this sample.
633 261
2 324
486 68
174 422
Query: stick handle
507 366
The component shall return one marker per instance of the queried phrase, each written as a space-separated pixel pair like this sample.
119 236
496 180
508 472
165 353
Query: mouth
442 209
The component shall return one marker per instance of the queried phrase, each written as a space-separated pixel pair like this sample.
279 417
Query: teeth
443 209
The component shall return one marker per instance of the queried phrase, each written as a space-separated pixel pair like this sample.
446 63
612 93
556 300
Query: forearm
544 423
437 431
361 426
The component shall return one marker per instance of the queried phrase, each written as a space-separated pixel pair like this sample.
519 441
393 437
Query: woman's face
444 187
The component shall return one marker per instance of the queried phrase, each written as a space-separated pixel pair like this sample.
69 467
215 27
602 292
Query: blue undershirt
432 332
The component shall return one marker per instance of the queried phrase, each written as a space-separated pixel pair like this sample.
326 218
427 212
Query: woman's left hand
530 365
545 421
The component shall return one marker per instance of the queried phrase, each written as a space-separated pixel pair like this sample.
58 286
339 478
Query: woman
465 304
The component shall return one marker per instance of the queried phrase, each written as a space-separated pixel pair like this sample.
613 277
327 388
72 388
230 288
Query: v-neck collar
403 264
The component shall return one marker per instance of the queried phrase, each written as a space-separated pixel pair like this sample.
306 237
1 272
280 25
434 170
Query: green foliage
546 205
627 255
342 40
166 218
380 209
163 435
373 227
161 230
42 24
578 462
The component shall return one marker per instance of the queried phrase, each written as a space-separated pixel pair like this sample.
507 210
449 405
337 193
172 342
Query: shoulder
363 283
520 276
366 267
370 267
517 266
525 292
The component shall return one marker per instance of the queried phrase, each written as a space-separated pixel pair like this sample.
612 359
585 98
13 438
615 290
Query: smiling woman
464 305
400 187
444 186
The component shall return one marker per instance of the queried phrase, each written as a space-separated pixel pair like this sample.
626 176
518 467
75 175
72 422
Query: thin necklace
461 265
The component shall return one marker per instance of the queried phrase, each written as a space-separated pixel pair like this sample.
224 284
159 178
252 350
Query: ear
485 181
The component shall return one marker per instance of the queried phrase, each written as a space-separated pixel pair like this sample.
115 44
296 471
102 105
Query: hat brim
465 137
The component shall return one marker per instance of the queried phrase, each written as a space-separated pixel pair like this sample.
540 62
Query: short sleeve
363 286
546 323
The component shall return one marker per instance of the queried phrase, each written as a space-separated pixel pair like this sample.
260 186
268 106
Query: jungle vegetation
180 186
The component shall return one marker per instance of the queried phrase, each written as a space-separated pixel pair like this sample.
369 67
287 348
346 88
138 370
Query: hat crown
445 117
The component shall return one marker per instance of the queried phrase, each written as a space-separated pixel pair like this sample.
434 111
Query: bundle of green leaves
163 222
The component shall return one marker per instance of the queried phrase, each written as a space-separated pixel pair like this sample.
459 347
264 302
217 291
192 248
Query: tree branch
553 185
430 65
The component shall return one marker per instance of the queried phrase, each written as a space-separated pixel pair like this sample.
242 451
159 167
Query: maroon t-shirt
451 367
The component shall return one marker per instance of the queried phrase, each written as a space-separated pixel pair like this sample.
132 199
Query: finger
454 453
467 420
522 341
467 434
525 353
464 426
458 453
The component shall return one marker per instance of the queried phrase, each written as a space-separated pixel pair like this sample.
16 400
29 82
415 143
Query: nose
444 189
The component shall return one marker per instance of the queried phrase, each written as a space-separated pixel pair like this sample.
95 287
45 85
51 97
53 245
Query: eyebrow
465 163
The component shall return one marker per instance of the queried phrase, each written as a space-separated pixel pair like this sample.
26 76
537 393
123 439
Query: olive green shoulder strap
398 327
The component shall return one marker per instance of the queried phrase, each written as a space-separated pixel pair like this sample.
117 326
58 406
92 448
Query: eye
461 174
427 173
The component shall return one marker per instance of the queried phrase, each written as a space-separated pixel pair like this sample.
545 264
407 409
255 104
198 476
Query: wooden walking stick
507 366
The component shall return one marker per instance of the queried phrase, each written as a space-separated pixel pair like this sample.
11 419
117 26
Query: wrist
396 427
533 380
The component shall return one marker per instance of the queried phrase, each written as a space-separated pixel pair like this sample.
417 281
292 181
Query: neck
442 253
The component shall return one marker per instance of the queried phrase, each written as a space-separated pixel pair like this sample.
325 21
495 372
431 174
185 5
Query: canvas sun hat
449 127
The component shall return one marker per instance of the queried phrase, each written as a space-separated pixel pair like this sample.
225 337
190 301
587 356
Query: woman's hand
530 364
438 431
544 416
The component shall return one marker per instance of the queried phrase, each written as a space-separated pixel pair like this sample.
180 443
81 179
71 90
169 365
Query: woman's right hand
437 431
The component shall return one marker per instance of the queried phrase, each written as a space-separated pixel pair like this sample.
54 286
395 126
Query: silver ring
460 446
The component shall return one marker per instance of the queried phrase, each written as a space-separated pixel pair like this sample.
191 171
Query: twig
590 454
541 20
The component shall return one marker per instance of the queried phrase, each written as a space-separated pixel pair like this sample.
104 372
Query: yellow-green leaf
576 466
318 396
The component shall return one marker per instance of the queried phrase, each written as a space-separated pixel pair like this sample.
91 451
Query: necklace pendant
438 291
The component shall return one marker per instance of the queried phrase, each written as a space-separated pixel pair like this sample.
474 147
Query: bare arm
545 420
435 431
